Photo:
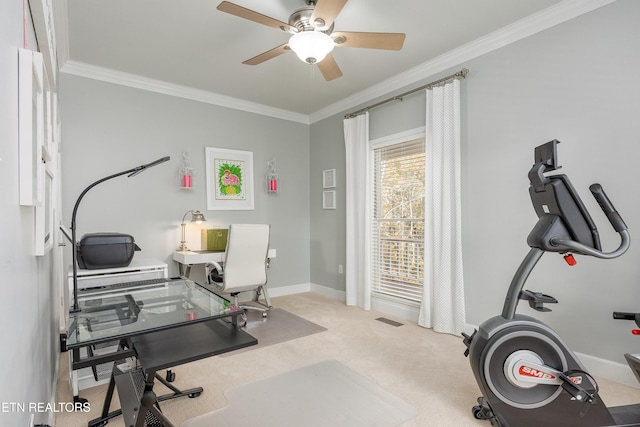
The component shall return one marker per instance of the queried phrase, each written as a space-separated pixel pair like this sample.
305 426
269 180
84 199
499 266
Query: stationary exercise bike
528 375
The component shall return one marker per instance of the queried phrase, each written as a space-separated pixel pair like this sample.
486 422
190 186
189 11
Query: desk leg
192 392
184 269
105 416
74 355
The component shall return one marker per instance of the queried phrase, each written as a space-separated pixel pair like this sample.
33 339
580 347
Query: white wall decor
329 178
31 126
329 199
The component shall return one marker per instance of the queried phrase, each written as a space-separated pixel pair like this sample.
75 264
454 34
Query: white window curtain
357 272
443 307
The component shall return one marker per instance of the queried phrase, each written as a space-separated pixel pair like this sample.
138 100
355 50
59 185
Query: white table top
202 257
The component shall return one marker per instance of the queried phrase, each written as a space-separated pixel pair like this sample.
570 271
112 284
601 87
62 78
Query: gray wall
576 82
328 246
28 309
110 128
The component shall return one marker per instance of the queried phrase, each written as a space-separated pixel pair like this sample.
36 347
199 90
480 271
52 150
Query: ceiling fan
313 37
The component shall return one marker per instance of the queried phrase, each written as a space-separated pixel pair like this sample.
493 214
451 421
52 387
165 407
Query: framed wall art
229 175
329 178
329 199
44 216
31 126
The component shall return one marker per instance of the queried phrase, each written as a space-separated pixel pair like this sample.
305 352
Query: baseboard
613 371
54 388
396 309
307 287
385 306
329 292
288 290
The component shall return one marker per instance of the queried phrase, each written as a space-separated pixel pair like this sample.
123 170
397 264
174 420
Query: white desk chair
245 265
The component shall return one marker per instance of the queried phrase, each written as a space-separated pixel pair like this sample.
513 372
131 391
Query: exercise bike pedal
467 341
537 300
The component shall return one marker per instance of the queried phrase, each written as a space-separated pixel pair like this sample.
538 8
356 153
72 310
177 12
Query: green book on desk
214 239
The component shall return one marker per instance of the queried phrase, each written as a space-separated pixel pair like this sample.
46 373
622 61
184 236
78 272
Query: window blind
397 247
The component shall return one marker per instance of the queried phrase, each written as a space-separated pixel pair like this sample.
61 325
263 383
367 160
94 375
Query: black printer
105 250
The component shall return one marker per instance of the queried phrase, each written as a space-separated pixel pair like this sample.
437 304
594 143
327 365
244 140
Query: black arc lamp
130 172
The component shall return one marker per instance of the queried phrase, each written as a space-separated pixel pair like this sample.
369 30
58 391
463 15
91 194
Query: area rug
279 326
320 395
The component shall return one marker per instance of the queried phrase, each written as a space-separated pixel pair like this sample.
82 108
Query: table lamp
198 218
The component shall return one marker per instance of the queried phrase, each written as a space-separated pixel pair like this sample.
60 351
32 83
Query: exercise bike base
560 409
626 416
623 416
515 406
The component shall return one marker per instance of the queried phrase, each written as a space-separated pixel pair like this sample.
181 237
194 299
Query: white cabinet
139 269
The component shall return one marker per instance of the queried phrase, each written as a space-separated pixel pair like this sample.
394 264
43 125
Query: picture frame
44 216
229 175
31 127
45 210
329 178
329 199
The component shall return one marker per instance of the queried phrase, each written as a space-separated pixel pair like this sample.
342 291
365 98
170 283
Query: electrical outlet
340 269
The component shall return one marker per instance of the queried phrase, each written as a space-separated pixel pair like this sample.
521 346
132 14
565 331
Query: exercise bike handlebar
620 315
616 222
607 207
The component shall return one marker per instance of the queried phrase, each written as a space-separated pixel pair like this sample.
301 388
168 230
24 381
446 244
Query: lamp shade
311 46
197 217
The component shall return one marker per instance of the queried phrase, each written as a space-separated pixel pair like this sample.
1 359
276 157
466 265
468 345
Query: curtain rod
462 73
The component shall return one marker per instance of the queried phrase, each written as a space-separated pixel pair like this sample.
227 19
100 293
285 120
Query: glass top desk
162 324
120 311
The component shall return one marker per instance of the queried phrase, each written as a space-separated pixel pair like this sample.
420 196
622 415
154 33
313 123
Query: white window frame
399 307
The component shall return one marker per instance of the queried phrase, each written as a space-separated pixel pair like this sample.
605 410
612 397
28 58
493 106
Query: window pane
398 220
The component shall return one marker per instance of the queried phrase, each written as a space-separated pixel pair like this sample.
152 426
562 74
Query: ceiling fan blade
276 51
329 68
326 10
254 16
387 41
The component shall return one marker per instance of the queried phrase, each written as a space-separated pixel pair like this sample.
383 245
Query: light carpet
421 367
279 326
323 394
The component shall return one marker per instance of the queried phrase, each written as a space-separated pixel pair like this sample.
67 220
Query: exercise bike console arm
616 222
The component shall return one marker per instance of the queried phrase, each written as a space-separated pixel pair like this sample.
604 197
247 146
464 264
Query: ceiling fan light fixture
311 46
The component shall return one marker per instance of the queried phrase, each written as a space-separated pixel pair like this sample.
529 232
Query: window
397 247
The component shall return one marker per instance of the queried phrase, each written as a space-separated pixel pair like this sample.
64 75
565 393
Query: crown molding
95 72
547 18
68 66
60 18
524 28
